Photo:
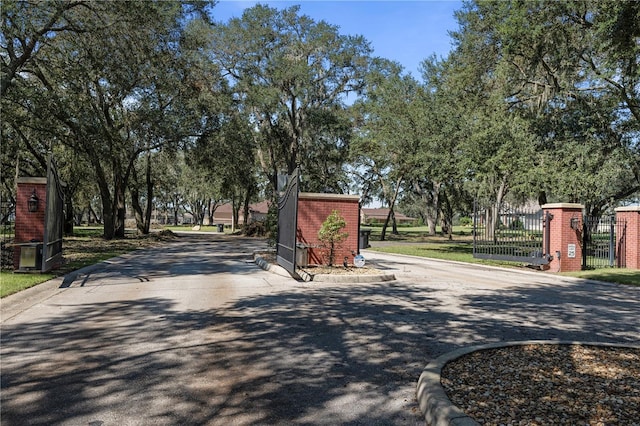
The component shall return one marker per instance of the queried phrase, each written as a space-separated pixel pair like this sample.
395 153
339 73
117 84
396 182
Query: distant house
371 216
224 213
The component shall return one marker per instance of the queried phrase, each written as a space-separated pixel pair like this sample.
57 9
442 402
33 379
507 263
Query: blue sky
404 31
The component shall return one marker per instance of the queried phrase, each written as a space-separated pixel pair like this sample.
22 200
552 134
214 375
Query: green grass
459 252
12 283
620 276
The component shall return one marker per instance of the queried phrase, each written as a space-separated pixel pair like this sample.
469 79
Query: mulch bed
547 384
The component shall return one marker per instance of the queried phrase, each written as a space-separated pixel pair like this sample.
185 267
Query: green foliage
290 74
567 74
331 233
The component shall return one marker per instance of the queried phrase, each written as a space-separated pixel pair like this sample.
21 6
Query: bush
465 221
331 233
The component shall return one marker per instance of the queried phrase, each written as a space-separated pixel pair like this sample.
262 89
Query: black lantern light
33 202
575 223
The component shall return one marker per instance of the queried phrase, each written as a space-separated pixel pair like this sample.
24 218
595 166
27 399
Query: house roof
226 208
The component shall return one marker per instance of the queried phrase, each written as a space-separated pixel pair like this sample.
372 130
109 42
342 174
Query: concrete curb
274 269
499 268
326 278
438 410
373 278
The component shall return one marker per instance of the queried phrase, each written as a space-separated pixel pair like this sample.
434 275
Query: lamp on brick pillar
33 202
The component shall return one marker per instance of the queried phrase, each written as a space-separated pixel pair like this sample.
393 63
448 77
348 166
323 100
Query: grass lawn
12 283
612 275
460 252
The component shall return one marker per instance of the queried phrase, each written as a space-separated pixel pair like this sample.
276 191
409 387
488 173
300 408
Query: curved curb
328 278
274 269
432 399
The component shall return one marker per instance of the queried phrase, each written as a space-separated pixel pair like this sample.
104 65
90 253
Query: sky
404 31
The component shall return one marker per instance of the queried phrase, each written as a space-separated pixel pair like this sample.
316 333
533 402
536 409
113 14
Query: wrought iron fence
603 242
511 233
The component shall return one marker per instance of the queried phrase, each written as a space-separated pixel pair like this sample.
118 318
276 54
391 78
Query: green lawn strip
12 283
620 276
460 252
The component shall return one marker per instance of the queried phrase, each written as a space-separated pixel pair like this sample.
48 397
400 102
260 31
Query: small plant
332 235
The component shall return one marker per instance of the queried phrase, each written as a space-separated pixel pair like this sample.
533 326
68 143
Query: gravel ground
547 384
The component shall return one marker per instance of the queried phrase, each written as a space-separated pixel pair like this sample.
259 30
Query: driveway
194 333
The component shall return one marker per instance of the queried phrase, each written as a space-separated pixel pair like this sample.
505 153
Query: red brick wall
29 226
313 210
562 235
632 247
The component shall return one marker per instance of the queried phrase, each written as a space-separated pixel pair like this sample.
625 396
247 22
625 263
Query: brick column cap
563 206
322 196
628 209
32 180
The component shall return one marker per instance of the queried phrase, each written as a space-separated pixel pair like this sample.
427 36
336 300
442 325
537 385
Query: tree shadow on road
343 354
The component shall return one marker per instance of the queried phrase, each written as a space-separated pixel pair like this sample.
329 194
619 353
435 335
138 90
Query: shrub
332 235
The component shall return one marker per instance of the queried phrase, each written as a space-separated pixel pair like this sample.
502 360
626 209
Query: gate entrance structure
510 233
603 242
288 224
53 220
39 222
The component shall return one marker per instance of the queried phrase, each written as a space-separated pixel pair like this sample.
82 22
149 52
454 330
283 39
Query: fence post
628 237
565 231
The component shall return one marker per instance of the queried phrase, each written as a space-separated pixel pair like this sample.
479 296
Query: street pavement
195 333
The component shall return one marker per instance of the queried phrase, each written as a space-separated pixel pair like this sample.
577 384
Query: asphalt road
195 333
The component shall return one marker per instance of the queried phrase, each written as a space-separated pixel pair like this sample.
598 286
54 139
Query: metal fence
603 242
510 233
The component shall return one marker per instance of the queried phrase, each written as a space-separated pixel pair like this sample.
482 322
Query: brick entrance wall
313 210
563 238
29 226
632 235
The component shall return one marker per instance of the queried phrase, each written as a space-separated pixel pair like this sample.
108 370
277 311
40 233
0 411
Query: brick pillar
313 210
563 237
29 226
630 235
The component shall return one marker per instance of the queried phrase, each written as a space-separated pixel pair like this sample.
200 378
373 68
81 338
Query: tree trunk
245 213
68 214
447 216
119 206
149 207
495 208
392 204
394 224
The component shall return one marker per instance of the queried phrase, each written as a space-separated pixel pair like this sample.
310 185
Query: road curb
437 408
274 269
326 278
